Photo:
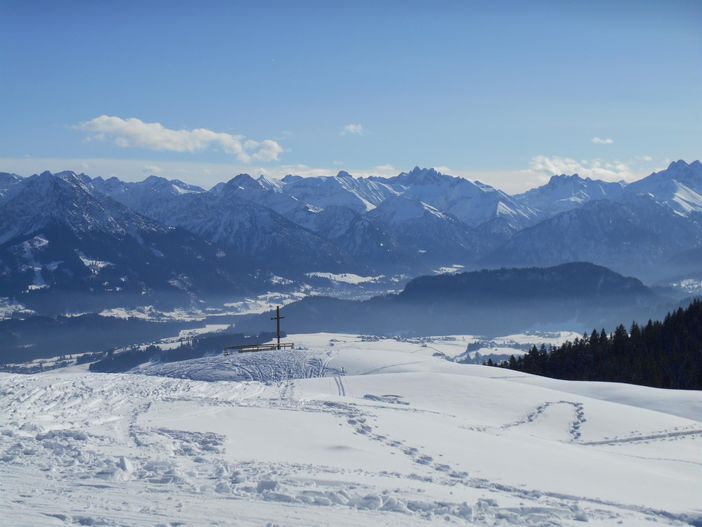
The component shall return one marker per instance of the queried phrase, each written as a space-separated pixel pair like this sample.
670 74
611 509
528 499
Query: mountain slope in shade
634 233
579 280
563 193
255 235
360 238
57 235
578 295
7 181
421 234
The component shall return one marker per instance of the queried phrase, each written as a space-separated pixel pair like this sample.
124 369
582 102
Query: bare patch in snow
346 278
455 268
11 309
94 265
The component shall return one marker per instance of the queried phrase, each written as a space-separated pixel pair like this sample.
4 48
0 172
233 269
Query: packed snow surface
344 430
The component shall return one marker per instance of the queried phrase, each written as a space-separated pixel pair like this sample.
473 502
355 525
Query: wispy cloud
152 169
135 133
602 141
352 129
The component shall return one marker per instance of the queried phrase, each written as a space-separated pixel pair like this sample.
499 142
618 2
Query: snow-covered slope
359 194
269 194
678 187
634 233
471 202
143 196
348 431
567 192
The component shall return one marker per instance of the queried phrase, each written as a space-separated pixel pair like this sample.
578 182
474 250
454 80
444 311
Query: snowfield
346 431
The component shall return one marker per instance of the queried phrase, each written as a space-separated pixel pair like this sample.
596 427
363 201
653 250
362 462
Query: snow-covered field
345 431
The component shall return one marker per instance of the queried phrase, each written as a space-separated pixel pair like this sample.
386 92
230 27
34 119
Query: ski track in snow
92 449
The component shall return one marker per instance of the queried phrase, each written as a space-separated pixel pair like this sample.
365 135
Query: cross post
277 319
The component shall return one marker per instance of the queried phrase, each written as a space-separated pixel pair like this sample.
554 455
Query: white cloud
352 129
602 141
135 133
387 169
152 169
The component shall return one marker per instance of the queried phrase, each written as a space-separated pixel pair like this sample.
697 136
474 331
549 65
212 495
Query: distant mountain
502 301
361 238
254 234
679 187
145 197
270 194
7 181
473 203
411 223
634 233
359 194
580 280
383 222
421 234
57 235
563 193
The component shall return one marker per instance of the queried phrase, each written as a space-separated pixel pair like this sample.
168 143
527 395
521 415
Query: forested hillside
664 354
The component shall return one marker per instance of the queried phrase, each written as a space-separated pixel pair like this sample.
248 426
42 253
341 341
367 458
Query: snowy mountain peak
169 185
566 178
422 176
565 192
65 175
156 180
46 200
47 181
244 181
680 164
269 184
678 187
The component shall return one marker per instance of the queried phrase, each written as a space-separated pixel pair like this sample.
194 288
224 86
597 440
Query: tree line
665 354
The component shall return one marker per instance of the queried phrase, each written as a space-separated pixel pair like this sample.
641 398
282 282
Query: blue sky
505 92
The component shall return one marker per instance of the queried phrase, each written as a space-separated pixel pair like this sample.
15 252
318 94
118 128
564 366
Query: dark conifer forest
665 354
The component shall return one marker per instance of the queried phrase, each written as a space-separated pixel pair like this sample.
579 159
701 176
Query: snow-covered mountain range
58 233
52 224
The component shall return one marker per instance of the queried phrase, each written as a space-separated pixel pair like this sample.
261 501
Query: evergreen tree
664 354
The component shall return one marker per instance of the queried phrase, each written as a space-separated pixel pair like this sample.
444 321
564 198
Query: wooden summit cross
245 348
277 319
